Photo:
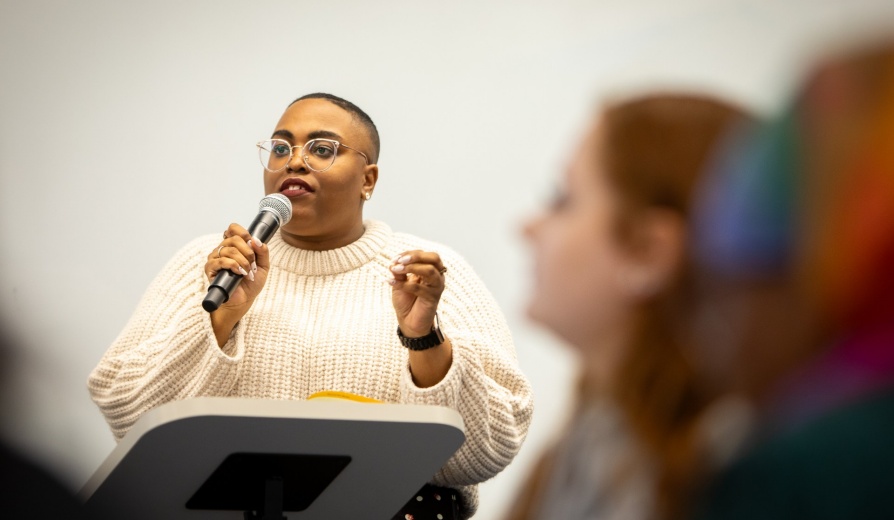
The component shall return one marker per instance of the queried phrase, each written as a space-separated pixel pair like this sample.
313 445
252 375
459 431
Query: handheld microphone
274 211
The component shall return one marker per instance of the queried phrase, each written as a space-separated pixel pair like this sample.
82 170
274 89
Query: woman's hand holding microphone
242 255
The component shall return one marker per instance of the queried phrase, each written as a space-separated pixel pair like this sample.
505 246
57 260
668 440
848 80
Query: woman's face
578 289
326 206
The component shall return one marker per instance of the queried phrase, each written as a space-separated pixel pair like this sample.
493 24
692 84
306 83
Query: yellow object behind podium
342 396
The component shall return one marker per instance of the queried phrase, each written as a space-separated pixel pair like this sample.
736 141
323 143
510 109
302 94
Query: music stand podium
215 458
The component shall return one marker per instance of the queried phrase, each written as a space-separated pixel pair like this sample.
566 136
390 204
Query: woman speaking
330 302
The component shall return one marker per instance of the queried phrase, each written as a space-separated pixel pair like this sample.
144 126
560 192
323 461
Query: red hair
655 150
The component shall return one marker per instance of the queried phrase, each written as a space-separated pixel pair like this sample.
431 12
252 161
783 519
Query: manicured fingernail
251 275
395 259
249 243
391 281
405 259
398 268
254 267
260 243
241 270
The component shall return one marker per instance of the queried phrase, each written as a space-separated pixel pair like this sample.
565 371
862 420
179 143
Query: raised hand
416 290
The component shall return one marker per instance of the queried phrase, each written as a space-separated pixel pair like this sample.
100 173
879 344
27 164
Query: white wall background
127 128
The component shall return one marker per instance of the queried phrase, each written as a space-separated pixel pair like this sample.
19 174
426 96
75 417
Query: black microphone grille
280 204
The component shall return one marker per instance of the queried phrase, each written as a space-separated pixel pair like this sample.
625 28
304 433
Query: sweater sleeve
484 383
167 351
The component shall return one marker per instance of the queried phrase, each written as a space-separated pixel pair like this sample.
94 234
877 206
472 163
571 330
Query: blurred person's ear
656 242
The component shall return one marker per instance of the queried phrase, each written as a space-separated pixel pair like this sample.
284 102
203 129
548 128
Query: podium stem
273 502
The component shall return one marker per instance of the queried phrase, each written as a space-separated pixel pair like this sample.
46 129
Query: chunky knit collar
334 261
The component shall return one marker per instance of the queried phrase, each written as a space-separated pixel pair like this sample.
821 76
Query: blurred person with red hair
798 220
613 280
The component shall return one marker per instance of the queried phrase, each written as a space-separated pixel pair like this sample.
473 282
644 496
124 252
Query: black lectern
230 459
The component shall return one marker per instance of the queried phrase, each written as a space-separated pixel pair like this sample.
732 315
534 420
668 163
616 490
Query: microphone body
275 210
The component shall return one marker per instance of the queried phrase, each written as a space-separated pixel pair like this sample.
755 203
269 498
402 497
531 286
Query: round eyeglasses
317 154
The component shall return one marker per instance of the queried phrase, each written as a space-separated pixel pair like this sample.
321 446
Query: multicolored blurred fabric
808 199
761 213
853 245
744 210
805 206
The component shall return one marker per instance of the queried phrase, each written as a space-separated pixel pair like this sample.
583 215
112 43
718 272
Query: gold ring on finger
218 250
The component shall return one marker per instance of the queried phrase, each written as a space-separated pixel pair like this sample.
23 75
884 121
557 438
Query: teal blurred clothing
837 466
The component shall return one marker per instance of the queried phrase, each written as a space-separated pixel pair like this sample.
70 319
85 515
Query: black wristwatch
432 339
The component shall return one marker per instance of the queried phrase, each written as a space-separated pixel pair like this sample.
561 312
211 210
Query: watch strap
432 339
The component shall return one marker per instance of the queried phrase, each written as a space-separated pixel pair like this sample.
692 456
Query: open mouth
294 187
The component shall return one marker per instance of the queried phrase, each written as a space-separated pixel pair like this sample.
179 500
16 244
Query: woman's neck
323 242
603 358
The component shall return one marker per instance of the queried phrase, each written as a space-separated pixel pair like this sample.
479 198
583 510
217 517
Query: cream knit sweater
324 321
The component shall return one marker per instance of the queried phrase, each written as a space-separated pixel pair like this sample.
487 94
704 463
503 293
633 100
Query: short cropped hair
356 112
